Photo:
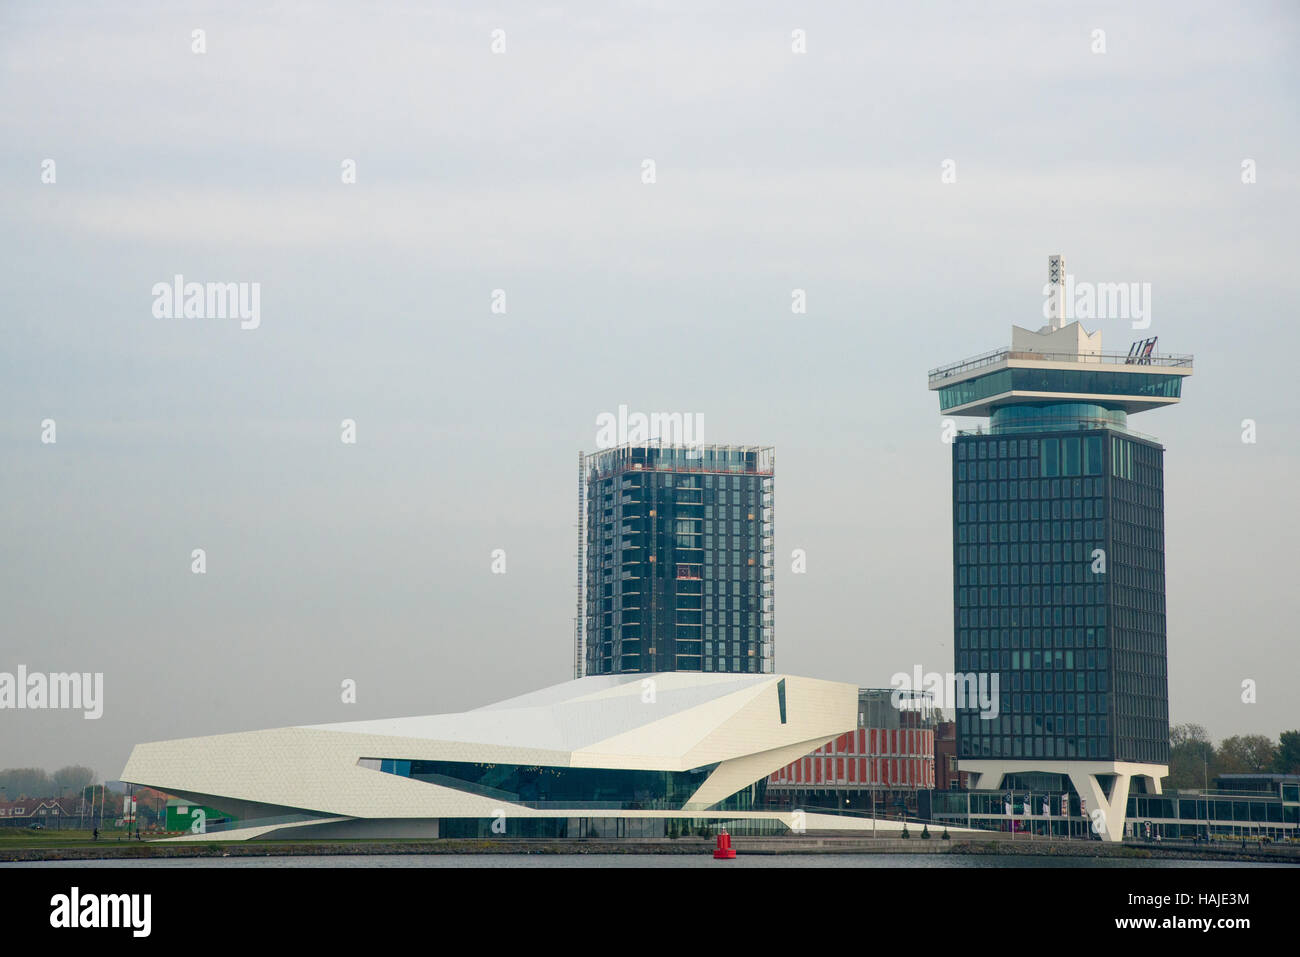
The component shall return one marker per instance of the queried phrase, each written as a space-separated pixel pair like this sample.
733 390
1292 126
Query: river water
884 861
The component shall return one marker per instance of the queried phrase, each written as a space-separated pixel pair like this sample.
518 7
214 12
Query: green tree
74 777
20 783
1181 734
1192 761
1246 754
1287 758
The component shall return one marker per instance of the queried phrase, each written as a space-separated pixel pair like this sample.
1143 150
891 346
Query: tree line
18 784
1195 761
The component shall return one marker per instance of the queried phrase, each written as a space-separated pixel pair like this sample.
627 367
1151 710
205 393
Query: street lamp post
1205 758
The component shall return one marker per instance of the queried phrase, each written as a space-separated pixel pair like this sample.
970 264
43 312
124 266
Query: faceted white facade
326 778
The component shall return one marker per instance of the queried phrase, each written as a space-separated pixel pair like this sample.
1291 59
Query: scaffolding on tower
579 652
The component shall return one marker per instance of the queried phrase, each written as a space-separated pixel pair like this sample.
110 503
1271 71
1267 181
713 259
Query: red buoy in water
724 851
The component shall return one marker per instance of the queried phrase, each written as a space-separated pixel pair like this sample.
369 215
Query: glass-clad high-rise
1058 548
1059 565
677 567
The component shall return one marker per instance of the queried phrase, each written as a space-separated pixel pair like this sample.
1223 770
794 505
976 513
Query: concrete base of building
1085 776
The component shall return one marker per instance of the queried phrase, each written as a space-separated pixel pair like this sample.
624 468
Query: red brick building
947 776
884 762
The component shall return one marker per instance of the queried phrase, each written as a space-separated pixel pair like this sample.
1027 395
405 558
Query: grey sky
522 172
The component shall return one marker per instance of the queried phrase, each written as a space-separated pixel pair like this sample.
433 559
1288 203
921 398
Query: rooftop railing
1103 358
654 455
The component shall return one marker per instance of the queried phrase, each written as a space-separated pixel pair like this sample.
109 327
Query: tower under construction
677 569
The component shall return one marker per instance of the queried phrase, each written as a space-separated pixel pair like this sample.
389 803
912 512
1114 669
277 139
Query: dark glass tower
1058 552
1059 583
677 570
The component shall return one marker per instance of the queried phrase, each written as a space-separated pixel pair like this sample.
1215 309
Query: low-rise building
883 763
947 773
602 756
1240 806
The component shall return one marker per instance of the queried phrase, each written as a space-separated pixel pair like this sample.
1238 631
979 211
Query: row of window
719 513
1064 639
1027 533
1135 684
1043 663
688 513
1057 456
1065 682
1035 747
1028 622
695 649
750 648
632 602
972 597
1031 617
1025 511
722 602
1148 537
1139 588
1048 572
631 631
1006 469
1025 578
1152 499
738 537
632 587
1155 727
725 618
1146 748
692 641
668 479
977 725
710 556
1029 489
1145 642
1071 456
1146 668
1073 382
996 449
1062 660
714 578
1254 809
1061 680
738 665
1047 703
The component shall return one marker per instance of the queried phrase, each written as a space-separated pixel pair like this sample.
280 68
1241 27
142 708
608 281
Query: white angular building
608 756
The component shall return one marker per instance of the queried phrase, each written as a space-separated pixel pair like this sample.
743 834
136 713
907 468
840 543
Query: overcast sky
523 171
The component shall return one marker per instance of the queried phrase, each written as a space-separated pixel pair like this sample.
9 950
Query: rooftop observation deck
1175 364
1112 380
